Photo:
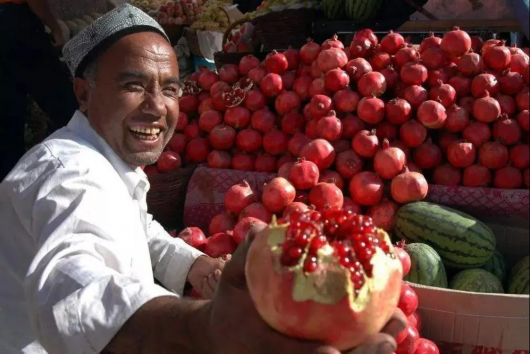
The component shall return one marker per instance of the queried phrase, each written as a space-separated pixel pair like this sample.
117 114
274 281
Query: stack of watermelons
443 240
356 10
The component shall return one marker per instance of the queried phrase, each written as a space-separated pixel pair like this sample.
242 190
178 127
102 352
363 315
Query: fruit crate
467 322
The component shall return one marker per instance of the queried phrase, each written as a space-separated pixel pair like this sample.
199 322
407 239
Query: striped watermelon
427 267
362 10
496 266
333 9
519 277
462 241
477 281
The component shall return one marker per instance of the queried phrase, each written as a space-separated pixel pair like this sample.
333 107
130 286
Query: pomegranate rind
320 306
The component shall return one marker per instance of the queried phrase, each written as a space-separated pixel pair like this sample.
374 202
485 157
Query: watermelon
333 9
426 266
362 10
462 241
477 281
496 266
519 276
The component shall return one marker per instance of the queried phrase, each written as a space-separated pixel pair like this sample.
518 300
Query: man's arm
42 9
171 258
81 296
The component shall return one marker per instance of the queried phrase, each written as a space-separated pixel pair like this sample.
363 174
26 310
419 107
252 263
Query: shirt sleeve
79 287
171 257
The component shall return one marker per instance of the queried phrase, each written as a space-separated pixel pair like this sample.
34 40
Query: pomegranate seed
302 240
295 253
345 261
310 265
316 244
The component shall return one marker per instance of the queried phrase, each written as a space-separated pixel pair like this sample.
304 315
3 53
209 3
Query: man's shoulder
60 157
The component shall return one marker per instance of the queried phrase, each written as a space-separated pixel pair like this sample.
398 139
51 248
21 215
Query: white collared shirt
78 250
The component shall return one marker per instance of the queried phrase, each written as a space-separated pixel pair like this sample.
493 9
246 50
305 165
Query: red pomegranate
461 84
507 103
397 111
406 54
415 95
275 273
336 80
243 227
348 164
497 57
255 210
263 120
447 175
254 100
346 100
278 194
427 155
295 207
371 109
332 177
332 58
325 196
432 114
286 102
520 156
271 85
243 161
351 125
319 151
361 48
461 154
265 163
507 131
389 161
276 62
198 150
221 223
275 142
373 83
508 178
511 83
309 52
392 43
478 133
384 215
470 64
482 83
219 159
357 67
222 137
366 188
476 176
297 142
367 33
248 63
409 187
239 196
412 133
486 109
456 42
457 119
330 127
320 106
524 120
493 155
220 245
366 143
293 58
434 58
304 174
429 42
414 73
301 86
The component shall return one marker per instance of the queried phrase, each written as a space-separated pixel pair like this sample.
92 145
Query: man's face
134 104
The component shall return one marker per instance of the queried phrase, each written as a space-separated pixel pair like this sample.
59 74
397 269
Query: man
29 65
78 250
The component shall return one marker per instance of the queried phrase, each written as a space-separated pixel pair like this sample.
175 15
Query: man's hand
204 275
237 328
57 37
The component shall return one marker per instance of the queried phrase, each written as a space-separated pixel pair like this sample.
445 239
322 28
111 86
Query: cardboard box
473 323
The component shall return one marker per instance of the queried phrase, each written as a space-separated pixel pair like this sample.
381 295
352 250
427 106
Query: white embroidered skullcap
105 31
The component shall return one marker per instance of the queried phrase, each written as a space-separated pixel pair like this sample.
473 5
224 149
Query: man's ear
82 90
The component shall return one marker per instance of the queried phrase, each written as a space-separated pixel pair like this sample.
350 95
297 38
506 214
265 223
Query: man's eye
136 86
173 91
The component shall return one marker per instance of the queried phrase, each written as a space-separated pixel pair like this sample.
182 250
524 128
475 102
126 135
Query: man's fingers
207 289
397 323
234 271
381 343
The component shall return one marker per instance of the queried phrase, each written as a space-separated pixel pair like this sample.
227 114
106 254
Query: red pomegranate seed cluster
191 88
233 97
354 238
244 84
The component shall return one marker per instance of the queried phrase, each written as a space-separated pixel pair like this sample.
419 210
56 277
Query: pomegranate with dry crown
330 277
278 194
389 161
409 187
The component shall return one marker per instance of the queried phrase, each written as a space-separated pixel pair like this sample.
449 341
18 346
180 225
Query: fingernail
386 348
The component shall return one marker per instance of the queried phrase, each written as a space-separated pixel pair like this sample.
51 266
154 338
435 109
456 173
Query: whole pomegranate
486 109
476 176
243 227
430 41
508 178
507 130
357 67
304 174
346 100
265 163
425 346
447 175
482 83
332 177
412 133
520 156
286 102
319 151
389 161
497 57
366 188
336 80
457 119
309 52
397 111
330 127
366 143
271 85
432 114
392 43
414 73
248 63
384 215
478 133
444 94
276 62
285 256
456 42
428 155
493 155
194 237
219 159
221 223
275 142
220 244
243 161
332 58
348 164
326 195
295 207
373 83
371 109
470 64
239 196
461 153
278 194
409 187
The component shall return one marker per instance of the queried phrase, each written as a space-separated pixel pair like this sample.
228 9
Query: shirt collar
133 178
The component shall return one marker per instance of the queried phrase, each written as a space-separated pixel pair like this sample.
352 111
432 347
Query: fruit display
450 249
72 27
329 269
211 17
361 10
174 12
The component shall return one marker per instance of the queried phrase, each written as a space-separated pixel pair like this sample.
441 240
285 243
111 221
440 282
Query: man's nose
154 104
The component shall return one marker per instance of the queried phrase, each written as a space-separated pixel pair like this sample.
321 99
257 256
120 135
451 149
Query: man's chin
141 158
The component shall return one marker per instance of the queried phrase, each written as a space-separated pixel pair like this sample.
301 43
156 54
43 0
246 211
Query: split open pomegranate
328 276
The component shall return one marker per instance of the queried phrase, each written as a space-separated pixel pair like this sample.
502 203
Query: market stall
428 140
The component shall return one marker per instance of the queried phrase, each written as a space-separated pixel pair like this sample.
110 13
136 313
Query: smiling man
79 252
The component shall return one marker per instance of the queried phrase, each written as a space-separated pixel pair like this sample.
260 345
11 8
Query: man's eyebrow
173 80
127 74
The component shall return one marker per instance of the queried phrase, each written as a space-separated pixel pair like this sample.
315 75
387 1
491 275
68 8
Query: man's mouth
145 133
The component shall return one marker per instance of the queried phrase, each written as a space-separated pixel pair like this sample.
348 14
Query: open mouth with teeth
145 133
